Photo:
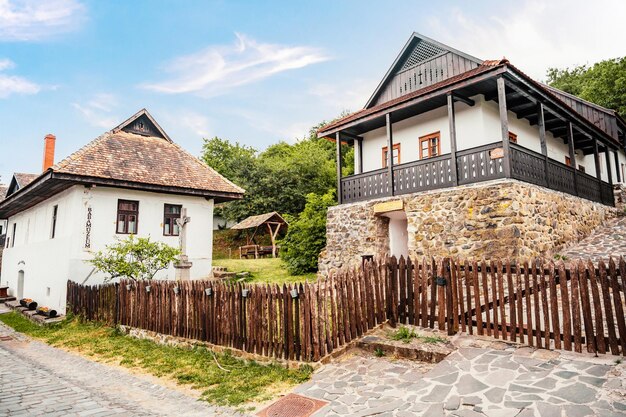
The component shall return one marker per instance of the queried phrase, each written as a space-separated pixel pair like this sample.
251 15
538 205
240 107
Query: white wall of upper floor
49 262
475 126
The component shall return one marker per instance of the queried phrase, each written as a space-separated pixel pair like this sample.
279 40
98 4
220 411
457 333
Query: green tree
604 83
306 236
280 177
134 258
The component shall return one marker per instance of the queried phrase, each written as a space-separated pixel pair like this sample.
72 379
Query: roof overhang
481 83
50 183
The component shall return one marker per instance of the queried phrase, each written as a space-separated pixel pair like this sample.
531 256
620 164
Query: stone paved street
608 240
39 380
474 382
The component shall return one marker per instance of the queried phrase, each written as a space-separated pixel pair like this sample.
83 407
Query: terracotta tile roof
130 157
24 179
3 191
484 67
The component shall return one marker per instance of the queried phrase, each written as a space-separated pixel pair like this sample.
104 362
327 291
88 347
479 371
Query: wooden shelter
273 221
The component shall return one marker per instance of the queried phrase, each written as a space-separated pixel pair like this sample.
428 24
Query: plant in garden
379 353
404 334
306 236
135 258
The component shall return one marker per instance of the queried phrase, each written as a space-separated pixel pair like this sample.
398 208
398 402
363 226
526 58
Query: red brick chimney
48 151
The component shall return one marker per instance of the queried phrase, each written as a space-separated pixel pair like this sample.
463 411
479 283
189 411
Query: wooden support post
452 123
358 155
572 154
596 160
389 152
339 190
504 126
542 140
619 175
273 235
609 171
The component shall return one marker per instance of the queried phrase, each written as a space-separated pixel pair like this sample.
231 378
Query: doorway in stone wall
20 285
398 234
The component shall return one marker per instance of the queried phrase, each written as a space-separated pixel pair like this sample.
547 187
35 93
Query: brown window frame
385 149
429 137
126 213
568 161
512 137
170 218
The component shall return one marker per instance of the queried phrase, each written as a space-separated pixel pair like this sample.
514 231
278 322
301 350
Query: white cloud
220 68
535 35
195 122
27 20
98 110
338 98
13 84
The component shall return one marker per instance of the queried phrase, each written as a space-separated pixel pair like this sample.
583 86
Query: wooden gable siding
602 119
424 74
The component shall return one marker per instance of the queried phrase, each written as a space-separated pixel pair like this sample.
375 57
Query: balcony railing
475 165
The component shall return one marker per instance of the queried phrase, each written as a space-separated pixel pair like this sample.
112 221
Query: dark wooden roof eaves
258 220
487 66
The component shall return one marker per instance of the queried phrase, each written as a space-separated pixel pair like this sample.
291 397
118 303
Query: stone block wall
498 219
619 191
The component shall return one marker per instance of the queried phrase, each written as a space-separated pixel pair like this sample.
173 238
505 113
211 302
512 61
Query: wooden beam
389 152
359 144
572 153
525 111
338 146
542 141
609 171
458 97
504 127
619 175
596 159
452 124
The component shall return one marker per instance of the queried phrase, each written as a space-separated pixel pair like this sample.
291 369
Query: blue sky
254 72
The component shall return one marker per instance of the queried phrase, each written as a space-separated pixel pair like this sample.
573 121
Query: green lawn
247 381
270 270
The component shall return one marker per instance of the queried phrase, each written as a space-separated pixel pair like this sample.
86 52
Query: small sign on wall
389 206
496 153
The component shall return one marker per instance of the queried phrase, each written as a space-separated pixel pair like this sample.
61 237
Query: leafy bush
306 236
134 258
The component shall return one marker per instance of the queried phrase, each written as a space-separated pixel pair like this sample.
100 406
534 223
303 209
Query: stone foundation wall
499 219
619 191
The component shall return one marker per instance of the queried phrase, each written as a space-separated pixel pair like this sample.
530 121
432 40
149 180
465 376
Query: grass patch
271 270
247 381
405 335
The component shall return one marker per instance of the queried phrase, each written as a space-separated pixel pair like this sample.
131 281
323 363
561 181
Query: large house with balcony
131 180
458 156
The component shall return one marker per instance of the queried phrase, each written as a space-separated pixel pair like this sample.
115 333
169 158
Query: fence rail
578 307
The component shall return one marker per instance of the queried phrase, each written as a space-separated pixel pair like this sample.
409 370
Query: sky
255 72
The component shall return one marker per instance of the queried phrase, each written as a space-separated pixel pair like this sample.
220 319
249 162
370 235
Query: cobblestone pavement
473 382
605 241
39 380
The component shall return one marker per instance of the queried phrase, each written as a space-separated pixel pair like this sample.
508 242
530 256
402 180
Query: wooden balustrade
474 165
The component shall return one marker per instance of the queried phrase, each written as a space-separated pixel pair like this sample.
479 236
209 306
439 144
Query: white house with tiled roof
131 180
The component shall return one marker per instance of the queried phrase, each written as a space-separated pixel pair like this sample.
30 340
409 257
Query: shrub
134 258
306 236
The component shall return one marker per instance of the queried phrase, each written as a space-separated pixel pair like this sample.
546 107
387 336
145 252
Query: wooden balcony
475 165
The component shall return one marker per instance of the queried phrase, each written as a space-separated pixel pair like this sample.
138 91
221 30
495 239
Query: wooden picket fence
538 303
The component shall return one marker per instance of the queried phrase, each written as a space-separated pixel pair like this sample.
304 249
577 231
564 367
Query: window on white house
171 213
127 216
395 155
13 235
55 211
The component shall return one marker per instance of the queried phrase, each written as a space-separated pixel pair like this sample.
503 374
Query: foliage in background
246 382
604 83
134 258
279 178
306 236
